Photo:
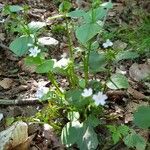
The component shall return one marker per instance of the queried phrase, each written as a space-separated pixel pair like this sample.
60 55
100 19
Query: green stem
56 17
72 70
53 81
86 65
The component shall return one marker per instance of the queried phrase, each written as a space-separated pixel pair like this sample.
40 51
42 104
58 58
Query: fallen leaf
2 36
136 94
14 135
119 45
6 83
25 145
139 72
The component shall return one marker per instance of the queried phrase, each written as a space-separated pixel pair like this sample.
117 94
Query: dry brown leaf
139 72
2 36
25 145
14 135
6 83
136 94
119 45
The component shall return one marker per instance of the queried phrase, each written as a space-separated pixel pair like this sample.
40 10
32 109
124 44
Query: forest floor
128 27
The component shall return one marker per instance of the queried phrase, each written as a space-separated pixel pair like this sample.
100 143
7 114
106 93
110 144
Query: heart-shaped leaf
142 117
45 67
118 81
87 31
20 45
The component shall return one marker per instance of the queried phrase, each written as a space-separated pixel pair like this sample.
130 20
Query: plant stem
53 81
72 71
86 65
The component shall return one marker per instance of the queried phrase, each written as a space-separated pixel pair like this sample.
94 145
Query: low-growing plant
81 103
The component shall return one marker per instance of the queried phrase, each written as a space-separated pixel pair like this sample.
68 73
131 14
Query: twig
4 46
7 102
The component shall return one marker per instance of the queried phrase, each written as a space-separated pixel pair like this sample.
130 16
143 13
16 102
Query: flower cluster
99 98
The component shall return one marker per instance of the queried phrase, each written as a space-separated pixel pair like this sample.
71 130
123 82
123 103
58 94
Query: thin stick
7 102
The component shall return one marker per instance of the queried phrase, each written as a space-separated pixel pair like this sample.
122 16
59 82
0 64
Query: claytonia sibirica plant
75 98
107 44
34 51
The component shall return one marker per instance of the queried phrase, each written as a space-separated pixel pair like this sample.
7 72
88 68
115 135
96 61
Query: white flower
108 43
100 98
87 92
41 91
34 51
63 62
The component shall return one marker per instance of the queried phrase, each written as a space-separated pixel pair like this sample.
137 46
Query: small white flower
108 43
34 51
63 62
41 91
87 92
100 98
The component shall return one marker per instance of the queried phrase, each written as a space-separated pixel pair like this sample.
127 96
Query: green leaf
15 8
142 117
98 13
118 81
35 26
116 137
95 45
115 133
73 96
76 13
118 132
92 121
65 6
82 83
125 55
33 61
123 129
87 31
70 133
45 67
20 45
97 62
107 5
73 116
135 140
87 139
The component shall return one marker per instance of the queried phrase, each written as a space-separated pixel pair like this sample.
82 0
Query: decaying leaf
14 135
119 45
136 94
139 72
6 83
